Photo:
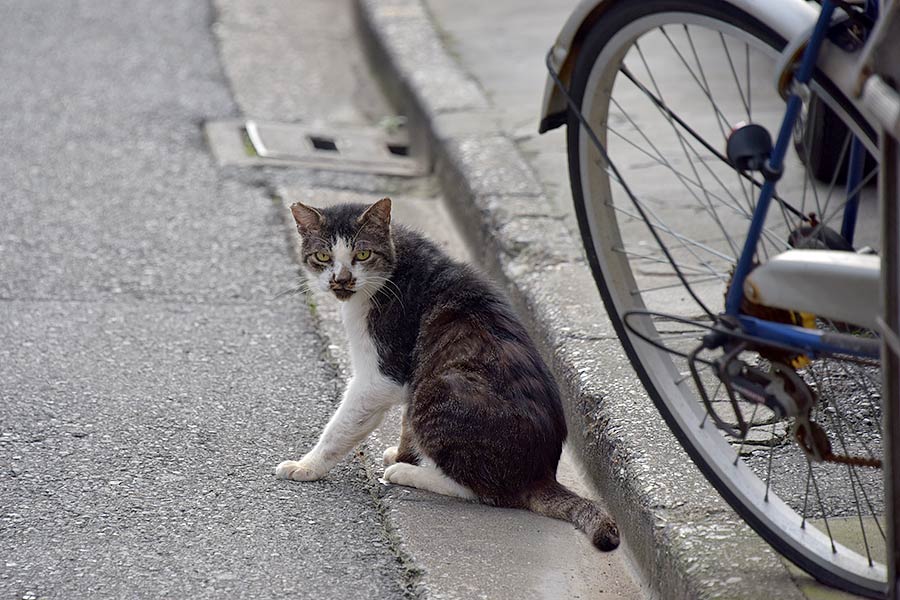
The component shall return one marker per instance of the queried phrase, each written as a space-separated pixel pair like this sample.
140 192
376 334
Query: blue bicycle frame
812 341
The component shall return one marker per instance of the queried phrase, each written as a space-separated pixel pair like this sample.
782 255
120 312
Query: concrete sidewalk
470 77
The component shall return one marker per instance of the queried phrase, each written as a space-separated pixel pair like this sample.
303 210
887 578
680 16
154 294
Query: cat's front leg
305 469
357 416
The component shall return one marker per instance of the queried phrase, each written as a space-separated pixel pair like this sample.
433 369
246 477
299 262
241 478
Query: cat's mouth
342 293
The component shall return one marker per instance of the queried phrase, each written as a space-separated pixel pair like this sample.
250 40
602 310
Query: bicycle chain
820 448
854 461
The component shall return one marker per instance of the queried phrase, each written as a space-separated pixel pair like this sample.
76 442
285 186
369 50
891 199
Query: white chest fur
368 381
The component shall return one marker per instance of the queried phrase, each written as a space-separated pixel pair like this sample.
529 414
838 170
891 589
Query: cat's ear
378 214
308 219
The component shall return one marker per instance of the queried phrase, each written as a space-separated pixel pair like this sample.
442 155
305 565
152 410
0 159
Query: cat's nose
342 277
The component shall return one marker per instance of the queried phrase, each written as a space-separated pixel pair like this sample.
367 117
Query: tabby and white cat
482 415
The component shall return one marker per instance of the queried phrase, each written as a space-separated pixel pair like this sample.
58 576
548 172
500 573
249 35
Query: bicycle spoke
681 141
744 439
871 407
663 260
706 88
839 421
748 192
670 286
748 86
808 175
659 102
835 420
822 509
680 177
706 145
685 376
695 244
804 513
769 472
734 74
689 70
855 190
706 413
736 208
843 154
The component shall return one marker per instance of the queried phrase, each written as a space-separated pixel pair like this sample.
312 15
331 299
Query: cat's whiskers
303 288
385 286
373 286
370 288
381 279
391 282
375 301
393 295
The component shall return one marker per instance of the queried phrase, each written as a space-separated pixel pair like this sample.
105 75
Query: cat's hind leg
429 478
396 454
403 451
390 455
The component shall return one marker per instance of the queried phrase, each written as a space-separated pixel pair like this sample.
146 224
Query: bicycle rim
692 69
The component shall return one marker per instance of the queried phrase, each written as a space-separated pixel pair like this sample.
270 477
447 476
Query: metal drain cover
362 150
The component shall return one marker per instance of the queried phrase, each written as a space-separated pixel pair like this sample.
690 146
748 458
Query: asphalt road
149 379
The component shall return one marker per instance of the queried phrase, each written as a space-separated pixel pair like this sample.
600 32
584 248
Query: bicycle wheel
661 83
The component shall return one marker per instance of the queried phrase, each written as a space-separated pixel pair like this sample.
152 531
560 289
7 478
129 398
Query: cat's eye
323 256
363 255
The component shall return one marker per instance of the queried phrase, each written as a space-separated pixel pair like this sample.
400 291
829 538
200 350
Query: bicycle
744 287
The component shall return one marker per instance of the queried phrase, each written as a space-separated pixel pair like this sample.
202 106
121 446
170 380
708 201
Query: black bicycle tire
614 17
821 145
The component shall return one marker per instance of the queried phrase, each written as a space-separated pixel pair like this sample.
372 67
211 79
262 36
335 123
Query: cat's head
347 249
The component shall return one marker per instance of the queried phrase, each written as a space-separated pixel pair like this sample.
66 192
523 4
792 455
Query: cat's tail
552 499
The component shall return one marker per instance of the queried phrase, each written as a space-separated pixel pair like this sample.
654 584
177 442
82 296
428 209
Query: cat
482 416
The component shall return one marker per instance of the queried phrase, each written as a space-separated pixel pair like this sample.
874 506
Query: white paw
300 470
390 456
401 474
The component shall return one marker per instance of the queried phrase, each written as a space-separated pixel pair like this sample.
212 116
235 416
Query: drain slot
323 143
365 150
398 149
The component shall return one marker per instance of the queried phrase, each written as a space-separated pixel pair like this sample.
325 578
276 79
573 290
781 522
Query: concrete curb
685 539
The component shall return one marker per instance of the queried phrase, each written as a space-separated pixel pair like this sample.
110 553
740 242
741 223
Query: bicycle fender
788 18
842 286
